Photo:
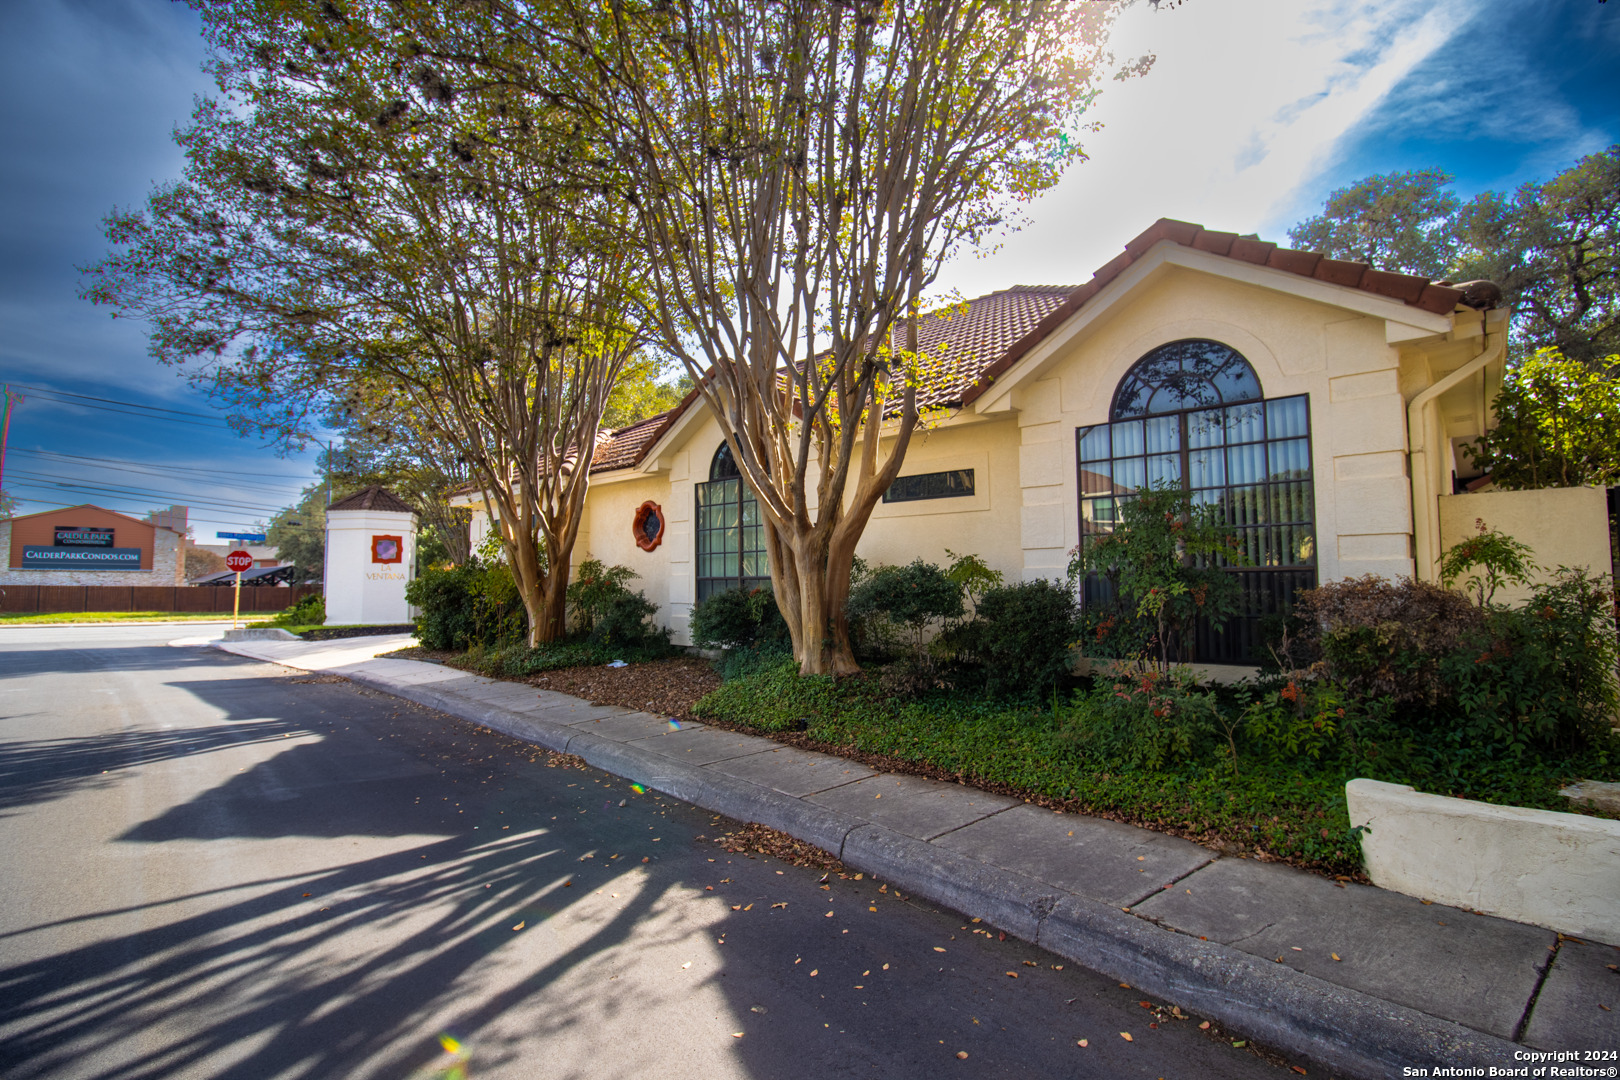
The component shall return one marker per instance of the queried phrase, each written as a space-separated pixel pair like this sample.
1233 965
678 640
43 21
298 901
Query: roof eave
1092 302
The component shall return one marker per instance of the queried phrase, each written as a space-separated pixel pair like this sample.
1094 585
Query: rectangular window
1252 462
730 539
935 485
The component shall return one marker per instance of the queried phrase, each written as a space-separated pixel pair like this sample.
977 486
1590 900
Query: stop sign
239 561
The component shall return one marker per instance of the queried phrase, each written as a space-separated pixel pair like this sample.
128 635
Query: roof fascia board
652 457
1402 322
998 398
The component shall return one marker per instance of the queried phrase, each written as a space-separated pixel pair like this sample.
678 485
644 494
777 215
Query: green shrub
1540 676
1017 647
738 619
751 659
911 596
467 605
309 611
1379 638
1164 564
606 612
1149 720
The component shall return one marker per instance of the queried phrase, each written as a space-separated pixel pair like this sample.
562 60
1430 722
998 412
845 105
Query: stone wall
168 568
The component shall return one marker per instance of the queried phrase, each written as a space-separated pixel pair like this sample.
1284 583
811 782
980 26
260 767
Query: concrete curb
1353 1033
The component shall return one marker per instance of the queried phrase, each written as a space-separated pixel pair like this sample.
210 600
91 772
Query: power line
113 401
137 513
126 412
159 467
36 481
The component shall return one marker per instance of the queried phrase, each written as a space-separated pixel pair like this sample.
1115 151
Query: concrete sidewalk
1361 980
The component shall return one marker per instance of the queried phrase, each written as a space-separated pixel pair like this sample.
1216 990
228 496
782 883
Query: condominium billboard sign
71 536
36 557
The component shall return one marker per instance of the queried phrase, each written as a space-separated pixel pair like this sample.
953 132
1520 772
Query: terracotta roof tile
995 331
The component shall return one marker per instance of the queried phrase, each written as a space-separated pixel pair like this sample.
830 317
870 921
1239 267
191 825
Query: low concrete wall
1561 871
1563 526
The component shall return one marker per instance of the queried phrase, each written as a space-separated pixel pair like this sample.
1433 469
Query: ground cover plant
1398 681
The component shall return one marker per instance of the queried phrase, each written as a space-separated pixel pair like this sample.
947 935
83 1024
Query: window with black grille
730 533
950 484
1192 413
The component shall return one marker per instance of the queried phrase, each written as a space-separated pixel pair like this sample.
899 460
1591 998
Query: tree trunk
548 610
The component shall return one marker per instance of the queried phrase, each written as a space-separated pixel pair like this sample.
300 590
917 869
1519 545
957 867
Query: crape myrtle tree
351 217
801 171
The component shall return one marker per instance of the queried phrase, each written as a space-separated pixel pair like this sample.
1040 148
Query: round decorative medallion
649 526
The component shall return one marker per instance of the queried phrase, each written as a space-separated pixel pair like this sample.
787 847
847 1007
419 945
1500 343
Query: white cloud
1246 103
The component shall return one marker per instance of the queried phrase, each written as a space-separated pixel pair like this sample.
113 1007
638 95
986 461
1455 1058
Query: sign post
239 561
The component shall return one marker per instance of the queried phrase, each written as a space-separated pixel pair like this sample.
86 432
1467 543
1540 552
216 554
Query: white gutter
1426 526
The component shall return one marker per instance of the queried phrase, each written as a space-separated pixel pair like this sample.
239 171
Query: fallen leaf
1124 986
961 1054
736 1034
1240 1044
1296 948
829 915
782 904
1057 967
938 949
885 967
521 925
1297 1069
1204 1026
980 920
686 965
736 907
1334 955
1126 1036
864 974
1029 963
1071 833
1012 974
1082 1042
1604 1007
814 972
708 888
750 907
871 909
309 894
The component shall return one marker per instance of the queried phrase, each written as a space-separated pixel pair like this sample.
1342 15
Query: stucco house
1321 403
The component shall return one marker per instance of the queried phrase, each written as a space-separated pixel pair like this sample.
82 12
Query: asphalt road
215 867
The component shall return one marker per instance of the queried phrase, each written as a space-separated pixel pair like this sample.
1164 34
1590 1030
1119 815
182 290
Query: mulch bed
662 687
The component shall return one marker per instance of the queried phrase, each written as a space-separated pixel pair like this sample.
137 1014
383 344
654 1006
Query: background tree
298 533
1395 221
802 170
1553 246
201 562
1558 425
351 218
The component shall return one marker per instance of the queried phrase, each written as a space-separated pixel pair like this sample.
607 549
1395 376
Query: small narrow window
951 484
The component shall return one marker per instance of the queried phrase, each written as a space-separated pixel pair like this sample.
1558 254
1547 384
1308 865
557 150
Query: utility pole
12 398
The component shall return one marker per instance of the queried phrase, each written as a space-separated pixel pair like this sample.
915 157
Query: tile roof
373 498
1410 289
978 344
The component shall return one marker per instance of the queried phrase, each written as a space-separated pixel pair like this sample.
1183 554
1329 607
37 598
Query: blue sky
1254 110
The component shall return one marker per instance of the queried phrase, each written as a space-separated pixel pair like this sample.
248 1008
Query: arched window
1193 413
730 534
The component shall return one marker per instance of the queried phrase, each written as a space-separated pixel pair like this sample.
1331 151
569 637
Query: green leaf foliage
1558 425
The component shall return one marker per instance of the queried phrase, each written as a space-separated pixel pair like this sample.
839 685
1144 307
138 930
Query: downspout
1425 507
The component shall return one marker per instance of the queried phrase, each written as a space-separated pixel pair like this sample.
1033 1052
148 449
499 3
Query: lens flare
638 789
674 724
451 1044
